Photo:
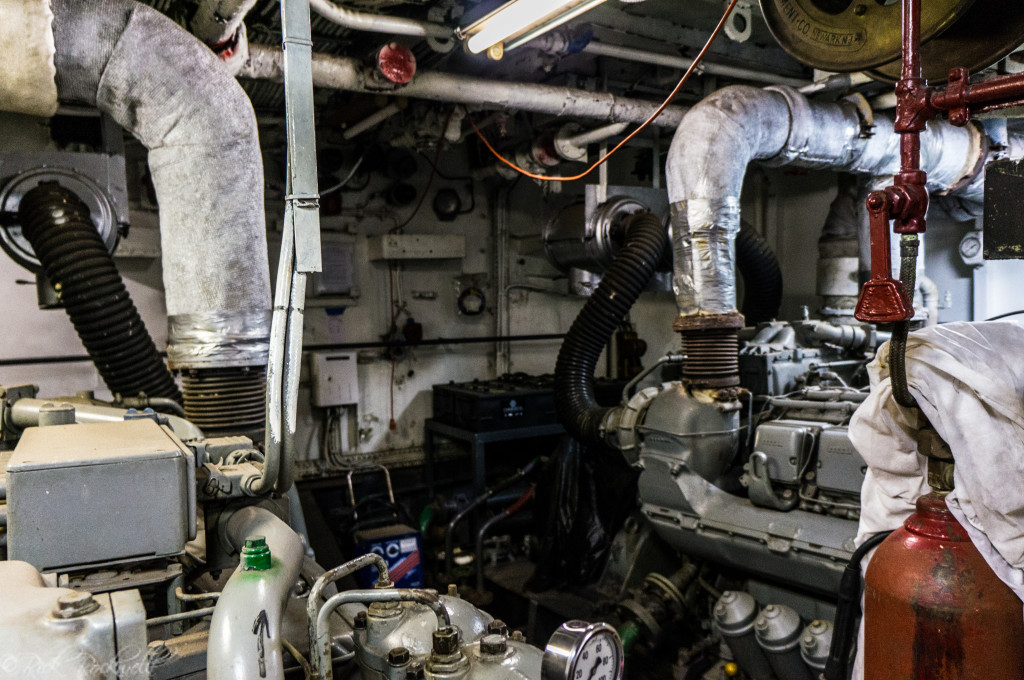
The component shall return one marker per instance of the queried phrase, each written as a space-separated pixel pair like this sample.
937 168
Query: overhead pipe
379 23
601 49
343 73
169 91
777 126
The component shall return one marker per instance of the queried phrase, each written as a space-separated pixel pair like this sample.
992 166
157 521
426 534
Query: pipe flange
801 123
668 591
708 322
99 202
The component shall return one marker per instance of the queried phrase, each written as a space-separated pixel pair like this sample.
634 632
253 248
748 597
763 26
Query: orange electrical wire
634 133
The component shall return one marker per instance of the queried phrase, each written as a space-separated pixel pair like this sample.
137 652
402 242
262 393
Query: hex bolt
73 605
360 621
414 671
493 644
517 635
453 590
399 656
446 641
497 627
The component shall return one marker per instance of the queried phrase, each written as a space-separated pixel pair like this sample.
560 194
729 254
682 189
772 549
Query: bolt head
446 641
399 656
414 671
493 644
255 554
360 621
497 627
72 605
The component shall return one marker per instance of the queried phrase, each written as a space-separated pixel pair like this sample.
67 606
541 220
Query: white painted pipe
600 49
378 23
341 73
372 121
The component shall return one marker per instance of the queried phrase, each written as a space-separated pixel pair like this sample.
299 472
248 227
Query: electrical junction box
99 493
335 379
401 546
417 247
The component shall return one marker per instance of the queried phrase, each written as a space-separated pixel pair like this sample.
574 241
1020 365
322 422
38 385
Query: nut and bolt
360 621
453 590
73 605
414 671
399 656
446 641
517 636
493 644
497 627
255 554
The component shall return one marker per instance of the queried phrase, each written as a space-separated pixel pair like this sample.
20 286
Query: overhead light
521 21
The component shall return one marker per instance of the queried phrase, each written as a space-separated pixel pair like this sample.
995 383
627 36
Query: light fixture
521 21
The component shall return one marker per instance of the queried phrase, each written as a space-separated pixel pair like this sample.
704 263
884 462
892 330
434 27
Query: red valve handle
883 299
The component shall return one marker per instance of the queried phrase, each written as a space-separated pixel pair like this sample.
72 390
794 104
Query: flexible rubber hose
57 224
762 277
844 628
901 330
628 275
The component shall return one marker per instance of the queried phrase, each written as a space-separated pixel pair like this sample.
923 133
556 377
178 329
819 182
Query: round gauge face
583 651
597 659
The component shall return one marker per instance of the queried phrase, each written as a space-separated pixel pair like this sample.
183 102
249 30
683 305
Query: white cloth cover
968 379
26 41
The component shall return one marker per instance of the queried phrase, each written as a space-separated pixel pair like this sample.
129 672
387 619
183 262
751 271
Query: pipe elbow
720 136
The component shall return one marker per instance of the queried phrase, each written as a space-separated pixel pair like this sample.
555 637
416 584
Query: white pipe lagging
217 21
719 137
341 73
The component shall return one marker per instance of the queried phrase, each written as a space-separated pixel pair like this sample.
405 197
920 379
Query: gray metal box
840 467
785 445
99 493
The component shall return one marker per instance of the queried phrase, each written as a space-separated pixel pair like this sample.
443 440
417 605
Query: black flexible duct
57 224
762 277
646 241
901 330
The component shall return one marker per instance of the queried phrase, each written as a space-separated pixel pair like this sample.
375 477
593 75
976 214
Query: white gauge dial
583 651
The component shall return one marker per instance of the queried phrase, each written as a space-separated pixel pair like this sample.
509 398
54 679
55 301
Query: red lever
883 299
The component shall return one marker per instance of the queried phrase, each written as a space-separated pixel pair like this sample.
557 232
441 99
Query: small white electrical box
335 379
417 247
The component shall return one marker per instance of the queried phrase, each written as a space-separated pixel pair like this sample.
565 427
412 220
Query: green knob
255 554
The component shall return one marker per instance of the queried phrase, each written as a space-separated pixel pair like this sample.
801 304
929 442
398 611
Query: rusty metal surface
848 35
1004 203
934 610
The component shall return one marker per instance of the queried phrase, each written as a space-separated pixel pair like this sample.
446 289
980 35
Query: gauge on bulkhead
583 651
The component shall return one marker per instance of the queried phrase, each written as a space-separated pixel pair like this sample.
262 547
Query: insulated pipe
217 21
719 137
245 633
600 49
378 23
372 121
321 645
342 73
169 91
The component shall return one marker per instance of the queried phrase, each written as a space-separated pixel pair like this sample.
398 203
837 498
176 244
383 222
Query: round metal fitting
73 605
816 643
848 35
360 621
493 644
396 63
734 613
497 627
777 628
446 641
101 210
399 656
256 554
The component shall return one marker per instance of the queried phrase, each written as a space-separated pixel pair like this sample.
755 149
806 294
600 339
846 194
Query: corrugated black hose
762 277
57 224
646 241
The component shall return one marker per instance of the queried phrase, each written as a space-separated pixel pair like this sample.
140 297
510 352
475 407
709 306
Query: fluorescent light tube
513 19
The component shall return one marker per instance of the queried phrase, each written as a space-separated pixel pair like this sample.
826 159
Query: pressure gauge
583 651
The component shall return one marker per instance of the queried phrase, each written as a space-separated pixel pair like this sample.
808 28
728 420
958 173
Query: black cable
901 330
844 629
1003 316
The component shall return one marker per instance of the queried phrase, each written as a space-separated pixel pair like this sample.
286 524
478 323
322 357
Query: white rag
968 379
